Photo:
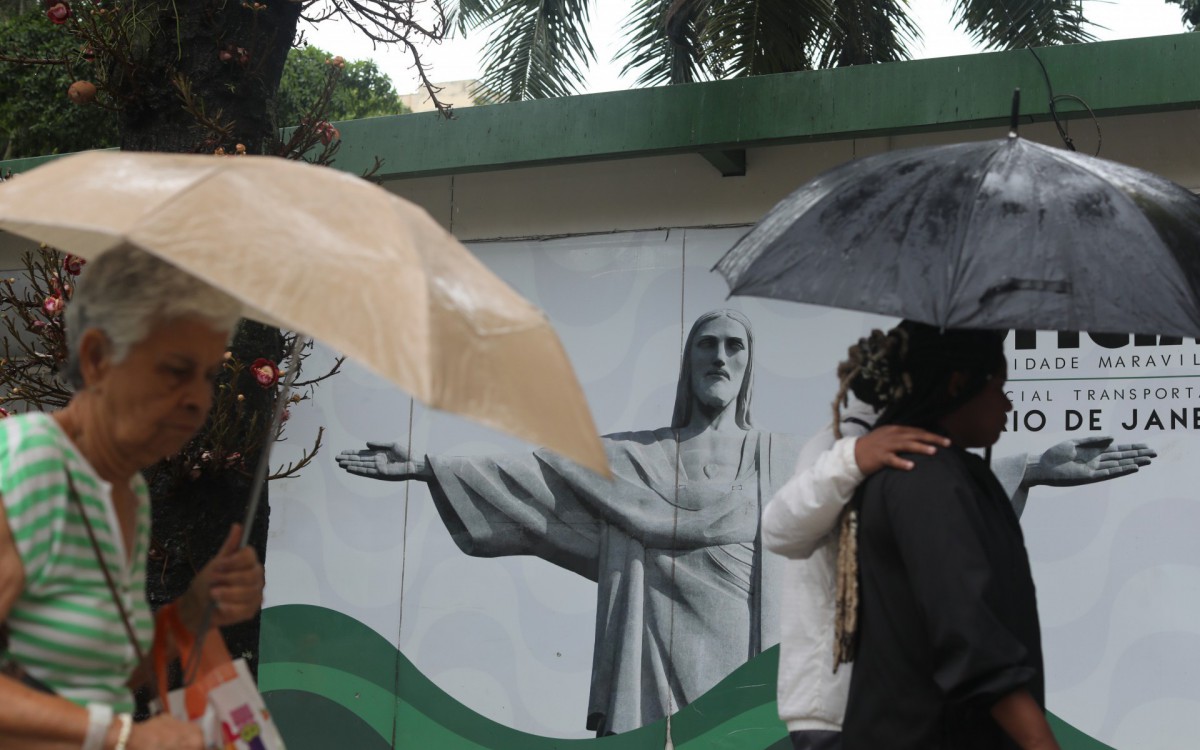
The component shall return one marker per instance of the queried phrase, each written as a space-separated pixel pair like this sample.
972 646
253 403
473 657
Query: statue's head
717 367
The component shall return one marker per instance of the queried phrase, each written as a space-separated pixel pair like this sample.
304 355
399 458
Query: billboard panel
582 608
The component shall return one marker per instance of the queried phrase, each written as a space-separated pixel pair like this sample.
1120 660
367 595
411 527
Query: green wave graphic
331 681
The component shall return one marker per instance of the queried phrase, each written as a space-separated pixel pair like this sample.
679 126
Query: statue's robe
685 592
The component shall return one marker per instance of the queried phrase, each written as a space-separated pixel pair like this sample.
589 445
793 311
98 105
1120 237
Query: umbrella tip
1016 113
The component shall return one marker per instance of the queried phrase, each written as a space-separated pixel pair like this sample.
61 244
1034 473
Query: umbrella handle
1016 113
264 456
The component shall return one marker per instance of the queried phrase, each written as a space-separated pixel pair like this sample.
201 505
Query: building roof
720 119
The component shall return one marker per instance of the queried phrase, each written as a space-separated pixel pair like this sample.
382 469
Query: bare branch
306 457
392 22
333 370
34 60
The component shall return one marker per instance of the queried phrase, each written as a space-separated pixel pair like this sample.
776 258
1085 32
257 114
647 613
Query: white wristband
126 729
100 717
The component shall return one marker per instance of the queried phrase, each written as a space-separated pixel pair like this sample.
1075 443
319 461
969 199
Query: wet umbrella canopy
997 234
334 256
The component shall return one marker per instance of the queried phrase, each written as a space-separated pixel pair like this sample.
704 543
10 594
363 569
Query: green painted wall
1122 77
331 681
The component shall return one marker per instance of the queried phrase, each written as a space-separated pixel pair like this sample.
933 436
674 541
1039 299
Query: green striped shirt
65 627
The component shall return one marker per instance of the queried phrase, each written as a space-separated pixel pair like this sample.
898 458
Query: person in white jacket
799 523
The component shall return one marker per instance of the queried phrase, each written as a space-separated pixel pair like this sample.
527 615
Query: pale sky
459 59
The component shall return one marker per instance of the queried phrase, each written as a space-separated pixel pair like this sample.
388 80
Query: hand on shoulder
881 447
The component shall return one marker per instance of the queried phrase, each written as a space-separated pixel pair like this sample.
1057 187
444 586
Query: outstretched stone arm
1086 460
1069 463
387 461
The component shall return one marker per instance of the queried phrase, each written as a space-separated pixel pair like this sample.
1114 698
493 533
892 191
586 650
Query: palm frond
663 42
1190 10
539 49
1015 24
758 37
868 31
471 14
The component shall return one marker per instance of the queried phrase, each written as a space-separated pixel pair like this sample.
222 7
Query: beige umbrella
320 251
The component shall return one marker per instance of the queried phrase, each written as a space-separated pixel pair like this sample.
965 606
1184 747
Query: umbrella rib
208 176
964 225
172 197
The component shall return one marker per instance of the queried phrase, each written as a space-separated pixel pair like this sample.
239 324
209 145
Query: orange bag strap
212 657
168 629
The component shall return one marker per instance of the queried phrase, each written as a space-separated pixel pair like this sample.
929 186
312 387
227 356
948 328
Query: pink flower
287 414
53 305
73 264
58 13
265 372
327 132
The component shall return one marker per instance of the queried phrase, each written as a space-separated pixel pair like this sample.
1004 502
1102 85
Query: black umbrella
997 234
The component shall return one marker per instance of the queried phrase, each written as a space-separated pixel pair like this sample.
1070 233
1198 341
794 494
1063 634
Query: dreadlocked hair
874 372
870 372
846 602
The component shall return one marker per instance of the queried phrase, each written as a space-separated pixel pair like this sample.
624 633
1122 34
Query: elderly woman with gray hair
146 342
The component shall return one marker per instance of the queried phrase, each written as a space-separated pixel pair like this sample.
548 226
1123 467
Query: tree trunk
229 59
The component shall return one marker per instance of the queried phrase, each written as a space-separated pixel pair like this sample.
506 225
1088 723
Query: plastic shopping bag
218 694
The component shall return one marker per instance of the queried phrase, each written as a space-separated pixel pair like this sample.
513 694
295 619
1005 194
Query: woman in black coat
948 644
